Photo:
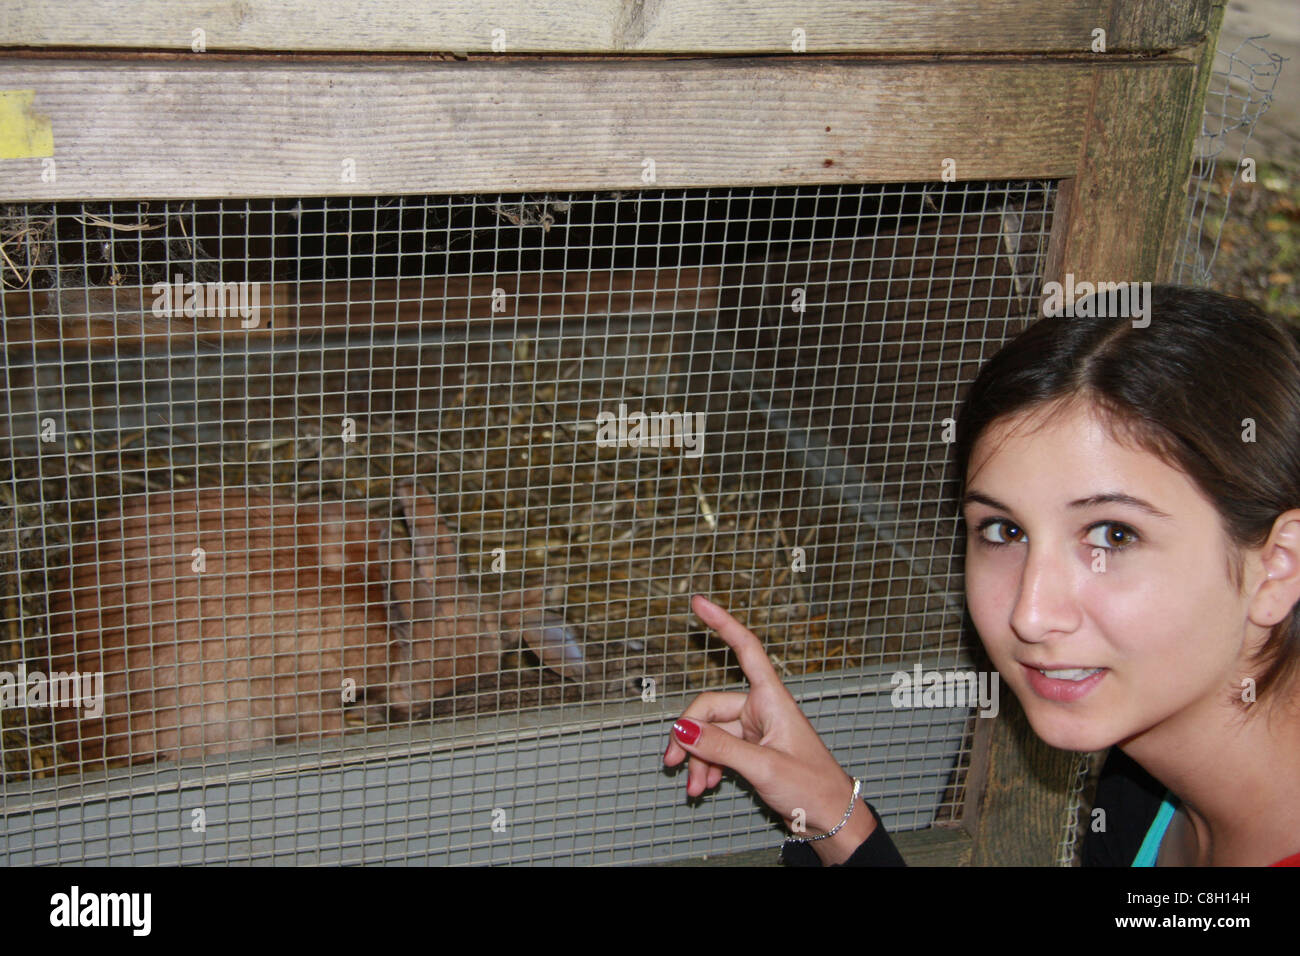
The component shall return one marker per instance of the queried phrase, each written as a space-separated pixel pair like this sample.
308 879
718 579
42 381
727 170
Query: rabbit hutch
474 339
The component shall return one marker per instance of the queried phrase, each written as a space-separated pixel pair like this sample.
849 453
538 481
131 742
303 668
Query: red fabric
1289 861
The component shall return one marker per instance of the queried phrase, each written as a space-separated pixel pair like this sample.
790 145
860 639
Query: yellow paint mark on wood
24 134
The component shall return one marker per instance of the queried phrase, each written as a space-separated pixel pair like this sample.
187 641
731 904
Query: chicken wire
472 344
1239 92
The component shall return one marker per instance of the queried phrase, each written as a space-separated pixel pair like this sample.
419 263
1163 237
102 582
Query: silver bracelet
857 786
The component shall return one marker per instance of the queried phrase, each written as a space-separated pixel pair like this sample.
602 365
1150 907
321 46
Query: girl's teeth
1077 673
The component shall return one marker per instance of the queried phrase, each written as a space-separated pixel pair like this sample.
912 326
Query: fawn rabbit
286 613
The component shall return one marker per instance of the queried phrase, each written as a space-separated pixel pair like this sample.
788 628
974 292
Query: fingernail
687 731
708 603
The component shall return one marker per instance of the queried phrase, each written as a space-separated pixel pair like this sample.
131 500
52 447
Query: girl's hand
765 737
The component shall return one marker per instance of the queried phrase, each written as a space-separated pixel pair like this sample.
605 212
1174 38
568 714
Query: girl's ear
1279 591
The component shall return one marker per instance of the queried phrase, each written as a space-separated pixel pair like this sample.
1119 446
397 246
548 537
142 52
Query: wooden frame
608 26
1115 129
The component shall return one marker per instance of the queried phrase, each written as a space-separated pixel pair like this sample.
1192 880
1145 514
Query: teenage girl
1131 498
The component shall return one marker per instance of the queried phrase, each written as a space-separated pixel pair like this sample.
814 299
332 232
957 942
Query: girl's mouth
1065 683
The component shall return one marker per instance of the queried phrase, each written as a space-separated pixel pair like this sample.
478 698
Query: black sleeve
876 850
1131 798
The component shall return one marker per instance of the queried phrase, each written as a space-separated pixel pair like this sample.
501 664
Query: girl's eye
1111 535
998 531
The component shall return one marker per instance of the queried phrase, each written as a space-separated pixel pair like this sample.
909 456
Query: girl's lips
1062 690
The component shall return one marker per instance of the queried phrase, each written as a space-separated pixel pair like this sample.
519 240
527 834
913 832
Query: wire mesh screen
364 530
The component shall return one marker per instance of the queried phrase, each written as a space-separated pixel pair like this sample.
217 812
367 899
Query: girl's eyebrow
1110 498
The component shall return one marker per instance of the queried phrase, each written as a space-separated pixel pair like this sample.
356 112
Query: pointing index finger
749 649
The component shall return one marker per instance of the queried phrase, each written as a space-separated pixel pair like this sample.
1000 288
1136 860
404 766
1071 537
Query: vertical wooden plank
1021 816
977 774
1113 217
1155 24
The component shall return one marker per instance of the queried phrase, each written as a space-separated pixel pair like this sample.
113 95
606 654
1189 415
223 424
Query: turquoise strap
1150 849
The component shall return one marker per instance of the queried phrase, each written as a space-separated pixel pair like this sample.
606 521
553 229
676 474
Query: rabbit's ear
432 544
399 625
410 601
410 612
349 539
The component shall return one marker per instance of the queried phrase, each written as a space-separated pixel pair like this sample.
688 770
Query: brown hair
1180 388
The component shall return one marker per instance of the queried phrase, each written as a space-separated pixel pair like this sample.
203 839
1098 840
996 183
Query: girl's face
1106 568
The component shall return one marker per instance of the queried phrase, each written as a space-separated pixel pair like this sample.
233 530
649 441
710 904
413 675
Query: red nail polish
687 731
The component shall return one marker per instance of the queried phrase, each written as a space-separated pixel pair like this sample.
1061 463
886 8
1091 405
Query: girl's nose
1047 602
